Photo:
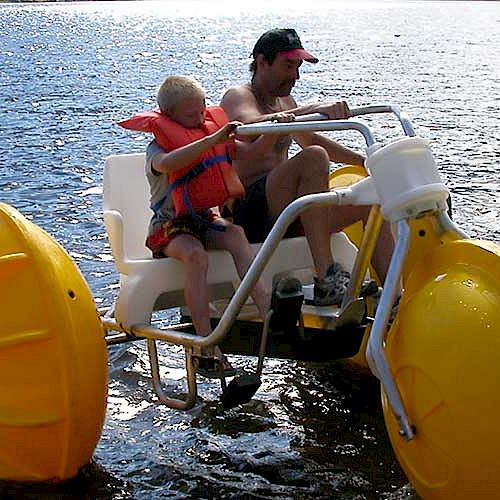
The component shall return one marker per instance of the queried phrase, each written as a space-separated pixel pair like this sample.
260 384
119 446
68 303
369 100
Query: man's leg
343 216
305 173
383 251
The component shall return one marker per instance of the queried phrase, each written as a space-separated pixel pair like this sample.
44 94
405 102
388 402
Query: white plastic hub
406 178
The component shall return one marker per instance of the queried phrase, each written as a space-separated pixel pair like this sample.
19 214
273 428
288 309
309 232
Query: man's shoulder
237 91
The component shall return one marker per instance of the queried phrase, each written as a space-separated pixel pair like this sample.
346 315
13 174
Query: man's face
189 112
282 75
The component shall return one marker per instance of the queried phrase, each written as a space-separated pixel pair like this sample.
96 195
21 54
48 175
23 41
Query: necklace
283 141
275 107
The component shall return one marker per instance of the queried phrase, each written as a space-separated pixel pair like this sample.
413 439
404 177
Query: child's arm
173 160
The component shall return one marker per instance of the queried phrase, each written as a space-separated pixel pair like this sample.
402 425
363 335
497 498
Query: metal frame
375 350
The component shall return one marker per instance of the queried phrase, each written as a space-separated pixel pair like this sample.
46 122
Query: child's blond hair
175 88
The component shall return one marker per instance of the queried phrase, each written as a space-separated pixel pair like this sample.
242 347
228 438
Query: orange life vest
209 180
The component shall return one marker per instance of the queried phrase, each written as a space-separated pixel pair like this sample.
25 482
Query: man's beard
285 88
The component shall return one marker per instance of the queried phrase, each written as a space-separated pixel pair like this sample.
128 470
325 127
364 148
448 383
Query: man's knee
317 160
316 154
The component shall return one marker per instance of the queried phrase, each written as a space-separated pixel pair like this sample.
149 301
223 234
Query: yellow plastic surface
341 177
444 350
424 236
53 359
424 239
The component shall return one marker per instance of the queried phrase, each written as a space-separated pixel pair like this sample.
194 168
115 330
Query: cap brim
299 54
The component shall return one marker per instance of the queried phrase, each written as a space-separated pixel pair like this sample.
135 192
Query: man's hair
253 65
175 88
269 56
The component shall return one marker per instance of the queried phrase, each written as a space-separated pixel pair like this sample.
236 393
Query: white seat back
126 191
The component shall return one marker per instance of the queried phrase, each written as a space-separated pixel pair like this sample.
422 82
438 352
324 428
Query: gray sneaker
332 288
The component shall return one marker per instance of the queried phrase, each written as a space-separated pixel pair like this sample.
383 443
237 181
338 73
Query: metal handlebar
368 110
306 126
387 108
316 122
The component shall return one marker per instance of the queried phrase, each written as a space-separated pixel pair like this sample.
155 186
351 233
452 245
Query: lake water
69 71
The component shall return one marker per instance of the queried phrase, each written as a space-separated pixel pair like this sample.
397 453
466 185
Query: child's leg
191 252
234 240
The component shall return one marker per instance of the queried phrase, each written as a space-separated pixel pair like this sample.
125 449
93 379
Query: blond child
188 237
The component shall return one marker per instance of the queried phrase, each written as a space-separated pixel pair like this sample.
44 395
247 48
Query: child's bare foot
214 367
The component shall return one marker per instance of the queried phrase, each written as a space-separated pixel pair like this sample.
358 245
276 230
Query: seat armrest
114 227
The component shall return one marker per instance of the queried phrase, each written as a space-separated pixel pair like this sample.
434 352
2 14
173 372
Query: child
187 237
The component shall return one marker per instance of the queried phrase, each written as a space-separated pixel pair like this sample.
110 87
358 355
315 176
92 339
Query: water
69 71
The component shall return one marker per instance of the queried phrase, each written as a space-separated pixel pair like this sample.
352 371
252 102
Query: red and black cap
285 42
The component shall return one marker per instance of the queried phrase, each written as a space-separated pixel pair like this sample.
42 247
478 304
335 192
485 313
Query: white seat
148 284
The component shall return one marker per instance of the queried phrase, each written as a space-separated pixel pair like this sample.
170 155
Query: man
276 180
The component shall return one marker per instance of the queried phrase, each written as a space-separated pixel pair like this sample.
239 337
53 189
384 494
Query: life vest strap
198 169
184 181
195 215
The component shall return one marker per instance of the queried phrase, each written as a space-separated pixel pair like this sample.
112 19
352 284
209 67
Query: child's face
189 112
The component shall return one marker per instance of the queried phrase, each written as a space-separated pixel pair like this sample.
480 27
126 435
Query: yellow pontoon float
436 361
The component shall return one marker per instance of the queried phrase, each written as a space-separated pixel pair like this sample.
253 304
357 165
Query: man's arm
240 104
335 110
336 152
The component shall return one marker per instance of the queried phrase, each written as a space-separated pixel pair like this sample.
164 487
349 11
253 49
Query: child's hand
226 132
283 117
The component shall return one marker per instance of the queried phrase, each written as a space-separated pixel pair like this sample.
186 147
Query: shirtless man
277 180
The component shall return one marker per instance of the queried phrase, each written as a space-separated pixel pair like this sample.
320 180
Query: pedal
352 315
240 390
286 303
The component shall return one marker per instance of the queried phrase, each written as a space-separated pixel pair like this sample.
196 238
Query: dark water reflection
69 71
317 432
